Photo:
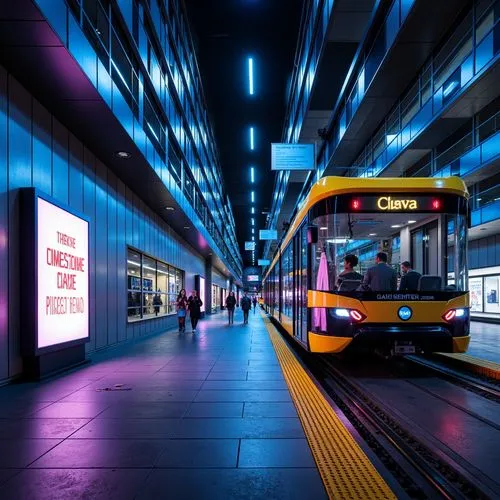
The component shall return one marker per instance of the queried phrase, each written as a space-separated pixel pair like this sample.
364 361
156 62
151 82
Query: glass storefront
152 287
484 287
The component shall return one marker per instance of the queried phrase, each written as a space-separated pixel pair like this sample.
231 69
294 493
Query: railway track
422 470
475 384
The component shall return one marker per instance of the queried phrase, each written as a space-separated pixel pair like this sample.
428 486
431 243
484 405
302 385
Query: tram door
300 285
425 249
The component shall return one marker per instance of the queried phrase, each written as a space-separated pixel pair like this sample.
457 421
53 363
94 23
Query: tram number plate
404 348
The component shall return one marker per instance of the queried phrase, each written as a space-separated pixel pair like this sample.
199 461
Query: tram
420 220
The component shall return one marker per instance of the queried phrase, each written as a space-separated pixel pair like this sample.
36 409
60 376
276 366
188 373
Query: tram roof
333 185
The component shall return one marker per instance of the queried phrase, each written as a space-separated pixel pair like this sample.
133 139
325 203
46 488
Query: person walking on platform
254 302
246 305
409 278
230 305
157 302
182 304
381 277
194 306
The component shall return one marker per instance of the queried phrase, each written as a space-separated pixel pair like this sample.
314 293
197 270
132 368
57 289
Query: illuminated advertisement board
55 254
250 245
263 262
63 275
199 285
253 277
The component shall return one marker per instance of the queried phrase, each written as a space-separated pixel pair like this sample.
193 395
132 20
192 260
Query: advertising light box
250 245
253 277
292 156
263 262
63 275
55 253
202 293
268 234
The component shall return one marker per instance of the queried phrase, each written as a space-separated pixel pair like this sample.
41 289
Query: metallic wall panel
101 253
121 259
4 222
19 175
112 309
60 168
89 210
42 148
75 173
44 154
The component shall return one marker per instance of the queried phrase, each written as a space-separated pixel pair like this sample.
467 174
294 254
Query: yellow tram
421 220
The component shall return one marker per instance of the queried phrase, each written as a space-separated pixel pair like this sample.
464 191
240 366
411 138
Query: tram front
360 293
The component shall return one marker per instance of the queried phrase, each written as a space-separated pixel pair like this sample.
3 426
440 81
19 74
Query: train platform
483 354
485 341
173 416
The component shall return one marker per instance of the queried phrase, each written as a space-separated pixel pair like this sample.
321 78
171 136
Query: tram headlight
452 314
341 313
352 314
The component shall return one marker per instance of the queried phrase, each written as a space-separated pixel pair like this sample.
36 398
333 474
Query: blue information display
268 234
250 245
263 262
292 156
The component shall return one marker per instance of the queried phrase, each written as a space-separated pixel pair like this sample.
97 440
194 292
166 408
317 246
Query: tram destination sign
401 203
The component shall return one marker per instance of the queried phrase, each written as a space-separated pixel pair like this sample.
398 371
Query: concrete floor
198 416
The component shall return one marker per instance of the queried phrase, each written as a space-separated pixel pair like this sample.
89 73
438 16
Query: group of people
381 277
191 305
246 304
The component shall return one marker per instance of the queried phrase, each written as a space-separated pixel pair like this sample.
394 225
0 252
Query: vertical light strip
253 210
252 194
252 174
251 139
250 75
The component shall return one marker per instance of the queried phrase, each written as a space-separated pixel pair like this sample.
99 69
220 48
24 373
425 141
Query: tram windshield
363 243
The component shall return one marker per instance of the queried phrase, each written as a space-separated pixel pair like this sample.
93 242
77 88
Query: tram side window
287 273
324 269
398 236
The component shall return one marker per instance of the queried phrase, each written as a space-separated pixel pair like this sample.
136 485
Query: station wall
36 150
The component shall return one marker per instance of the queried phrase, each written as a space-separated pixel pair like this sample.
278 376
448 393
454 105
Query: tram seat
349 285
429 283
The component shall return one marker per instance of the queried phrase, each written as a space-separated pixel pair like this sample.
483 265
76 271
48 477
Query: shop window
152 287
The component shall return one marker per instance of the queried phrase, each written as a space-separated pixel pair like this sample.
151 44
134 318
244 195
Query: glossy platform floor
206 416
485 341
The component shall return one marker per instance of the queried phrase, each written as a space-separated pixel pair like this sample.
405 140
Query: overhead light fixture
253 221
252 210
252 175
252 196
187 227
250 75
252 145
372 234
323 229
170 209
396 225
412 221
123 154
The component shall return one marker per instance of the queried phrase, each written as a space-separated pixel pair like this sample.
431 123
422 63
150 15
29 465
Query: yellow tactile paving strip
476 365
346 471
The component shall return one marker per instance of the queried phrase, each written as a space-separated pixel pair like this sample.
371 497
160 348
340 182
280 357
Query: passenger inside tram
388 252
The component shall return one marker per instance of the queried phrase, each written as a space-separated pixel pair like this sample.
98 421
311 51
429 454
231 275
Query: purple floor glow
188 416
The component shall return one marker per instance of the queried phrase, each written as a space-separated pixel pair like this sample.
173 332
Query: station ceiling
227 33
